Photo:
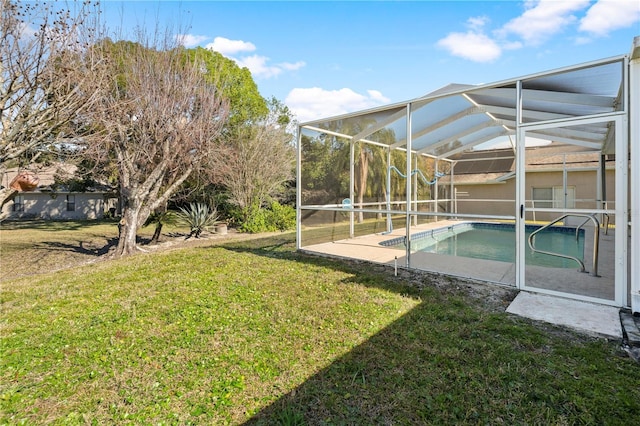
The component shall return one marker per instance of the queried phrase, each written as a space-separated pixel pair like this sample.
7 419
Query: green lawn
251 331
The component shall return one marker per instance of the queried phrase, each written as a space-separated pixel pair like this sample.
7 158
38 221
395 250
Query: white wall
54 206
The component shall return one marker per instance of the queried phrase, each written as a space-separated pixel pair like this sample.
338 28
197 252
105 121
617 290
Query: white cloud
190 40
512 45
312 103
542 19
477 22
26 31
377 96
293 67
230 47
474 46
257 64
608 15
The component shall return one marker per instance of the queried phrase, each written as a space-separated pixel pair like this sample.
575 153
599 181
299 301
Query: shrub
256 221
276 218
283 216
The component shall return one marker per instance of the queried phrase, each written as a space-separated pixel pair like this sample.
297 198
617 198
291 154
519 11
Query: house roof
559 156
498 165
47 174
498 161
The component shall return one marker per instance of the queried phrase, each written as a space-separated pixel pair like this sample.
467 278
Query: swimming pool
496 241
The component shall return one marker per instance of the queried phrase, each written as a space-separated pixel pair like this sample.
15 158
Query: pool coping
471 224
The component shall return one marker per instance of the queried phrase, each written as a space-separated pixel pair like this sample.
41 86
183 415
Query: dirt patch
492 297
26 254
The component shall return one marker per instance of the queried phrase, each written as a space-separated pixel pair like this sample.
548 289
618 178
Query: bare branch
160 118
261 161
39 95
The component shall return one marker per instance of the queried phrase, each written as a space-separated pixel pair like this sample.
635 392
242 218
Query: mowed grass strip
253 331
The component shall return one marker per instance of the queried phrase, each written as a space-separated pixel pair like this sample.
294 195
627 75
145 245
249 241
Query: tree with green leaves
246 107
160 118
325 169
236 84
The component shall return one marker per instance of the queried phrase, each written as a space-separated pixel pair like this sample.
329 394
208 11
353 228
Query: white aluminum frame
634 143
627 148
620 211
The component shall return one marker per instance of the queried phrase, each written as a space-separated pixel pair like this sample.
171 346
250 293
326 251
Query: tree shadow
80 247
93 250
51 225
386 380
282 246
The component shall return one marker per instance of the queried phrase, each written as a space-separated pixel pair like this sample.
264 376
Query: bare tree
40 94
159 119
261 160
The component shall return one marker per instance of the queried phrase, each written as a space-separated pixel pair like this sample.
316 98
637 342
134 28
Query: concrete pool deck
590 318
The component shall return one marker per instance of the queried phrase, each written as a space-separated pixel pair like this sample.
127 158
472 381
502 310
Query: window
71 203
18 203
542 198
554 197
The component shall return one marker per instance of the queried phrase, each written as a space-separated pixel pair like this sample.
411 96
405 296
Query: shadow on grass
283 246
82 248
79 248
52 225
443 363
450 360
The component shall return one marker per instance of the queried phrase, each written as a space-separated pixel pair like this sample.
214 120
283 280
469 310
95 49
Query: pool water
497 242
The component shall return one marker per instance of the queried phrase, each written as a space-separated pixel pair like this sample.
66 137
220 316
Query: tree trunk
6 195
156 233
161 213
128 230
360 214
361 181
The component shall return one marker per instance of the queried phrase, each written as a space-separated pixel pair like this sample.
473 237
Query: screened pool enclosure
531 182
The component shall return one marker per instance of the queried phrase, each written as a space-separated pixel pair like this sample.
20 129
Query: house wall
54 206
498 198
489 199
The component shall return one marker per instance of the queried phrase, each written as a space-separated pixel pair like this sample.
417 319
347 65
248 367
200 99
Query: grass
249 331
33 247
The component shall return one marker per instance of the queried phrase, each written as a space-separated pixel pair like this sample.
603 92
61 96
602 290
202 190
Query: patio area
566 280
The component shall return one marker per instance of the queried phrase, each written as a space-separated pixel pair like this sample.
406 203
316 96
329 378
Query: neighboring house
484 181
49 200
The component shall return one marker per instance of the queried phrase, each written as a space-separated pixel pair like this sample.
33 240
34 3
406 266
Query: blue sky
324 58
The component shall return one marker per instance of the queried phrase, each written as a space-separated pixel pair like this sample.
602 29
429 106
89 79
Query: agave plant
199 217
